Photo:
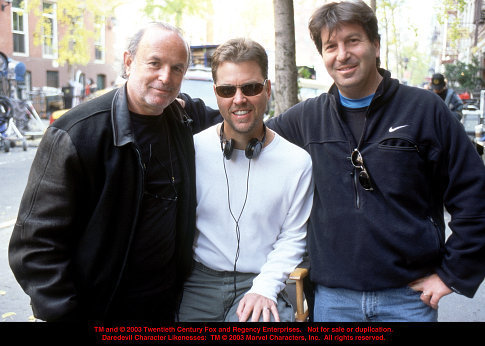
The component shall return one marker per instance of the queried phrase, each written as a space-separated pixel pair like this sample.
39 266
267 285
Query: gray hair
136 38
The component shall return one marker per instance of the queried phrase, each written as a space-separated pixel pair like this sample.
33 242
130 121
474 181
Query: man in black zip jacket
387 158
106 224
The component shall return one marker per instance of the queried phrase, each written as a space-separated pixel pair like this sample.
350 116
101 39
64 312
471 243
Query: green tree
71 16
447 10
415 65
387 11
400 51
174 10
463 75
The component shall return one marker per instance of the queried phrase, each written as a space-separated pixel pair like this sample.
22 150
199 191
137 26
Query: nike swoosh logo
392 129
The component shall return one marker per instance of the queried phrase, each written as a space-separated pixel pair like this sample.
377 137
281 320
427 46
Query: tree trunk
373 5
286 84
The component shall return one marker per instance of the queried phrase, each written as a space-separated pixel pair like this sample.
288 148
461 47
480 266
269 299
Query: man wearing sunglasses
386 159
254 195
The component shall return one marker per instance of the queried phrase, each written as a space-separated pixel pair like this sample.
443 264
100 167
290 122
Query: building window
19 28
53 79
100 43
49 30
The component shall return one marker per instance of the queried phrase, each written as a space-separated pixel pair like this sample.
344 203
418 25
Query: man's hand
433 289
257 304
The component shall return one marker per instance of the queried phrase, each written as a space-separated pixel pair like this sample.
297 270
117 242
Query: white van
309 88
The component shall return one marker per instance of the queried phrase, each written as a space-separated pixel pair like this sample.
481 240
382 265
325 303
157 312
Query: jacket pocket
426 246
398 169
438 235
398 143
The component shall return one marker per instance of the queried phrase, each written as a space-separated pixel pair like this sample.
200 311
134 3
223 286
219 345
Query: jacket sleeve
202 116
41 244
288 125
463 173
290 246
457 103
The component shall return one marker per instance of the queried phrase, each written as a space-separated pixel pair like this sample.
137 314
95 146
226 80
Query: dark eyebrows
348 37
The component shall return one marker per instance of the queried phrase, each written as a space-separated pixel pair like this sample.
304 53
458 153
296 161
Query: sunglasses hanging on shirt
364 177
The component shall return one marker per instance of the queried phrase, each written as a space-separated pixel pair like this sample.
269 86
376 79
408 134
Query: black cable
238 231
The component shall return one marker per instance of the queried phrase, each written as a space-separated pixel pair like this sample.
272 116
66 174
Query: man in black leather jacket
106 223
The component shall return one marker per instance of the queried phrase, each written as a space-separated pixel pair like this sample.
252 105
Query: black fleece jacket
420 160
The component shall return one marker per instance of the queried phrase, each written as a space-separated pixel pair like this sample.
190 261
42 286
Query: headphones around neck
253 148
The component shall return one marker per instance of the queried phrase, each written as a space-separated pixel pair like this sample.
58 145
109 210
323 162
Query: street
14 170
14 303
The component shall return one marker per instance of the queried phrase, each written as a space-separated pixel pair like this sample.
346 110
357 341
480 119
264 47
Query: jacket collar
386 87
121 121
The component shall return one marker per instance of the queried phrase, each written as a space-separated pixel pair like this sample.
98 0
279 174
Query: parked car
56 115
309 88
198 83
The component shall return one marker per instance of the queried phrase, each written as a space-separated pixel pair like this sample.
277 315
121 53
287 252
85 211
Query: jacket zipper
352 145
351 141
356 175
437 233
115 291
356 189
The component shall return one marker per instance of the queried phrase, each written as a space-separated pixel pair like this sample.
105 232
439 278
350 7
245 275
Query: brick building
17 33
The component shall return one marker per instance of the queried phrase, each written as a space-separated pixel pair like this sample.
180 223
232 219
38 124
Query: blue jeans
390 305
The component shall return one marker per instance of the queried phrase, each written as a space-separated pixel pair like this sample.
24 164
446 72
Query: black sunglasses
364 177
250 89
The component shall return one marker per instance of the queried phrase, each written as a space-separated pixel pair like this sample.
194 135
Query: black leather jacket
79 210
